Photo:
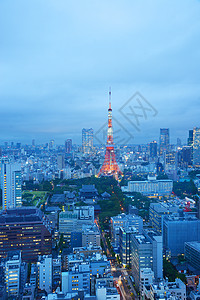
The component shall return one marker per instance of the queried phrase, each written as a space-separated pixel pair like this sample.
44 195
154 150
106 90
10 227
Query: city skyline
56 69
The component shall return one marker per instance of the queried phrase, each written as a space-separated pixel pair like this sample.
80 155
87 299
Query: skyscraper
196 146
11 185
68 146
87 140
153 149
164 140
190 139
61 162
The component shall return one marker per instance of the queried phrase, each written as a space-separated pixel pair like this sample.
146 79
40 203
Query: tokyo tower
110 166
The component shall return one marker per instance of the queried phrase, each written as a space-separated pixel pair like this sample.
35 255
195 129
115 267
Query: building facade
70 221
164 140
125 244
153 149
156 213
192 254
44 266
146 252
124 221
196 146
68 146
151 187
12 273
87 140
178 230
27 230
11 185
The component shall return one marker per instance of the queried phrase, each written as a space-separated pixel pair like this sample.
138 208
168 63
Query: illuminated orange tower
110 166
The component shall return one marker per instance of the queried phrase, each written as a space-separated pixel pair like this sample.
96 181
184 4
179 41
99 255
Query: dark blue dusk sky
58 59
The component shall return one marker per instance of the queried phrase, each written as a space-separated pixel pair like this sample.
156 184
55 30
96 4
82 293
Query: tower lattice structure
110 166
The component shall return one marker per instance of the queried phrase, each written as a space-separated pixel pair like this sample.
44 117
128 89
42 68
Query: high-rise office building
170 160
125 244
61 161
186 155
87 140
68 146
146 252
164 140
11 185
196 146
190 139
153 149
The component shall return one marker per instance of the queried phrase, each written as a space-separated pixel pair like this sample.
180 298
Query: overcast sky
58 59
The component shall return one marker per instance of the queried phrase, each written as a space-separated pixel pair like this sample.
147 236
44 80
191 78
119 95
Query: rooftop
141 239
21 215
195 245
163 207
125 216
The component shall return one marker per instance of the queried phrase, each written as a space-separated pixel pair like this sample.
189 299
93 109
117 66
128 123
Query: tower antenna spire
109 97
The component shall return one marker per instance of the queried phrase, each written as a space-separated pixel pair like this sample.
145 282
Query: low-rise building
105 290
56 273
151 187
77 279
74 220
175 289
90 235
146 279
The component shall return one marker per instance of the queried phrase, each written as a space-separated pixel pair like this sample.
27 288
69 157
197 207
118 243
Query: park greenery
34 198
183 189
118 202
193 173
170 272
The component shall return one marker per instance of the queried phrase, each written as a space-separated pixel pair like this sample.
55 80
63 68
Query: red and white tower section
110 166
